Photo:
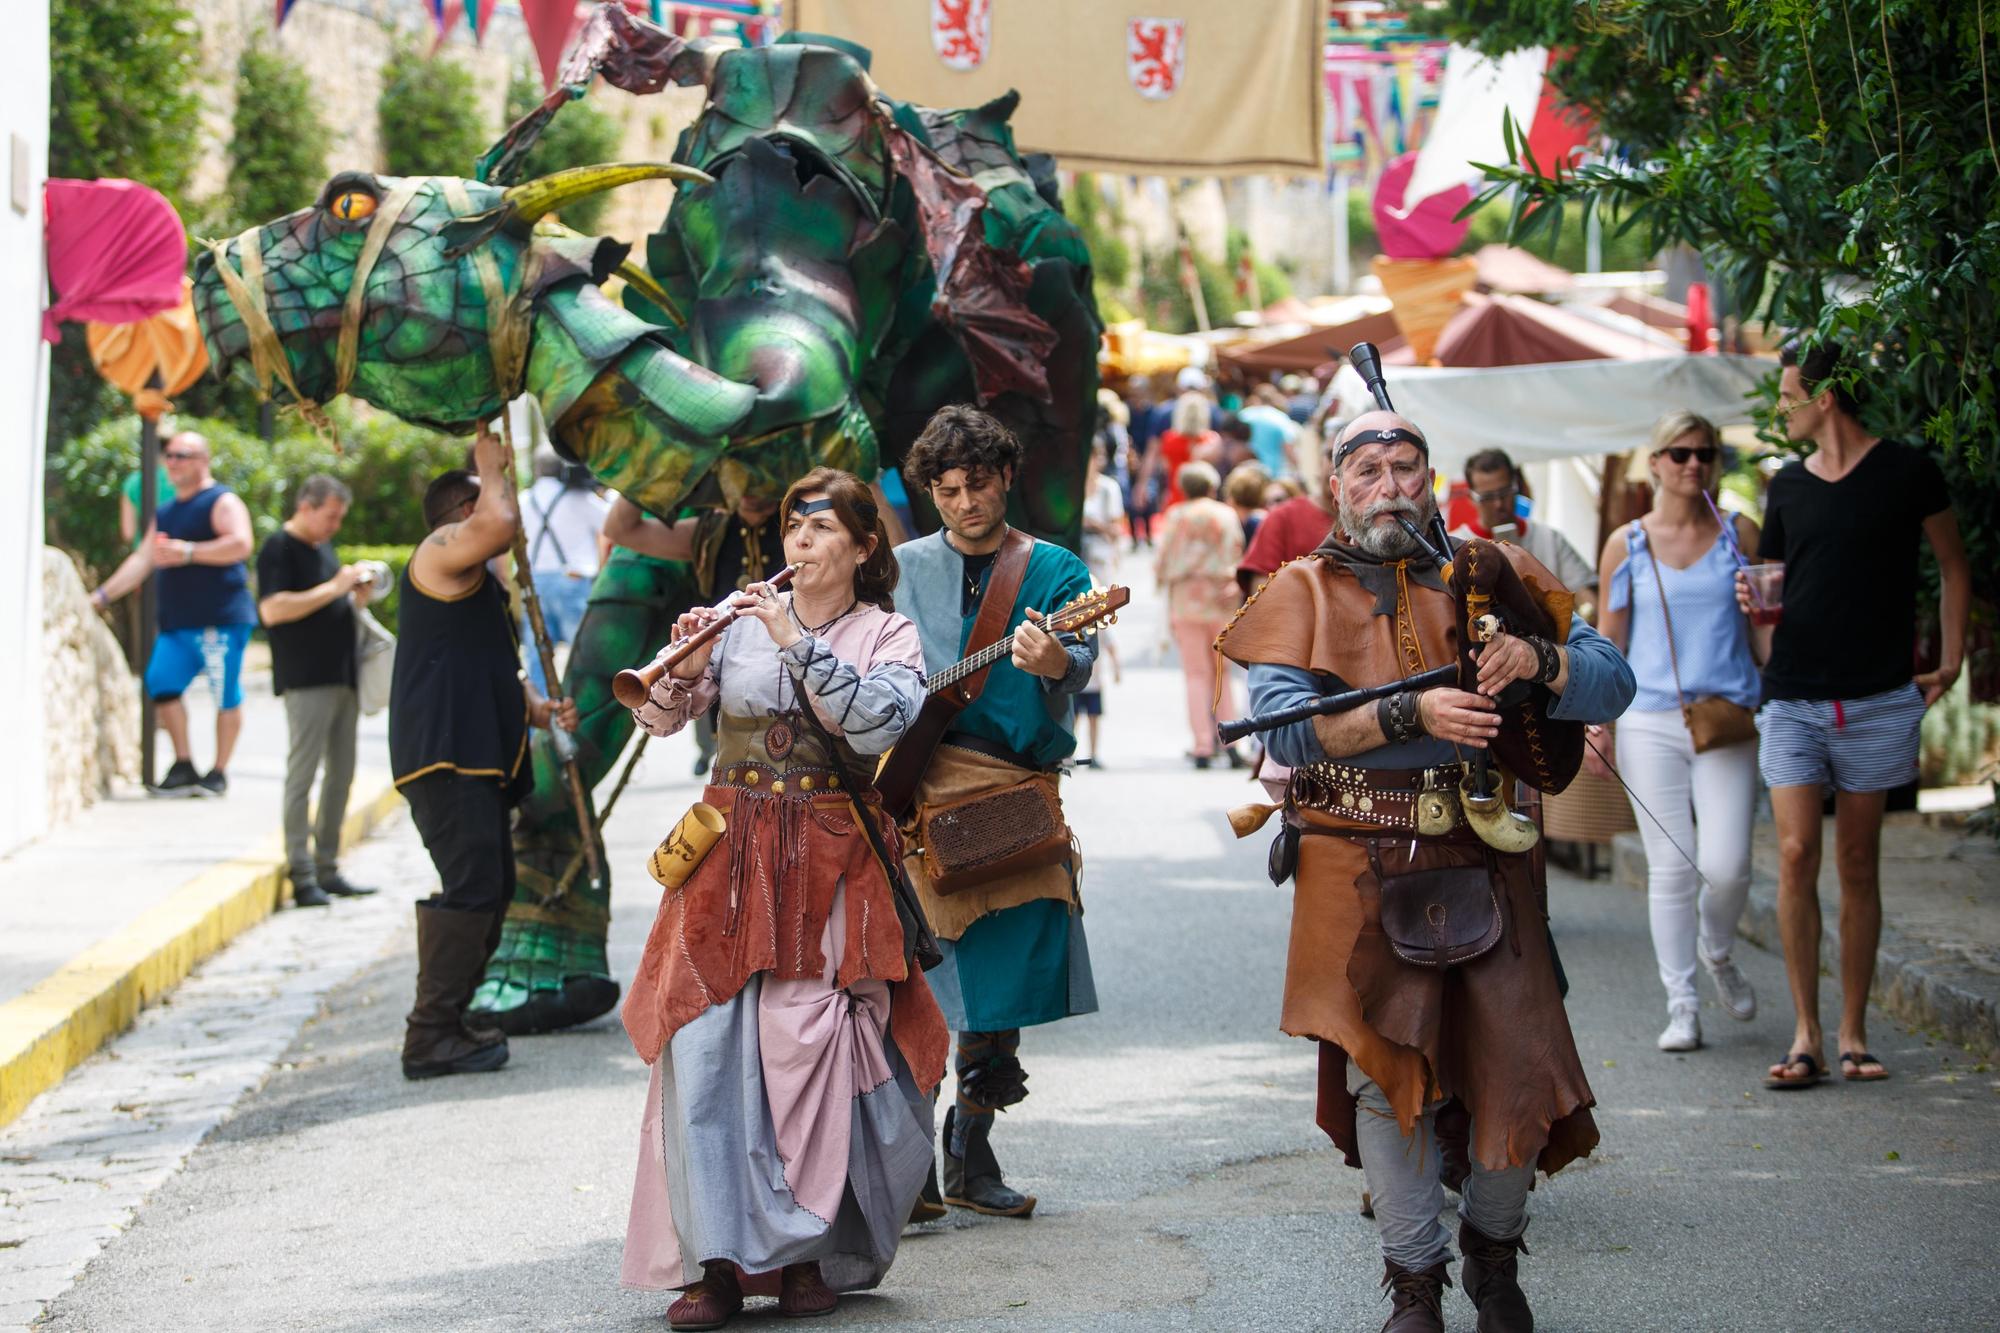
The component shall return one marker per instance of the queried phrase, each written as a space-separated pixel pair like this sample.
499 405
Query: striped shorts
1858 745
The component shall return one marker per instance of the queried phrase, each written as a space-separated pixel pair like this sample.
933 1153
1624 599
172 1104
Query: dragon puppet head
412 293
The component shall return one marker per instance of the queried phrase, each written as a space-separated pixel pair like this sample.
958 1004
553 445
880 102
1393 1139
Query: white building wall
24 374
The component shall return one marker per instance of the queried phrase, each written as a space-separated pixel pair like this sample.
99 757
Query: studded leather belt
1423 800
800 781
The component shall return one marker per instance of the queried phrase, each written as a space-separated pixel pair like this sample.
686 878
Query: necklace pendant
778 739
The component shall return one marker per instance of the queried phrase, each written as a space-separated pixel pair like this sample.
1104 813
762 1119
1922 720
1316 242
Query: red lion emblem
1154 53
962 32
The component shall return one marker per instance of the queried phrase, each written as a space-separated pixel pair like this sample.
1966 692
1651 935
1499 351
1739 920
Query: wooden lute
945 695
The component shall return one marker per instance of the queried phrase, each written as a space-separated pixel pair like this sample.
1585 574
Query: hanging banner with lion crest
1141 87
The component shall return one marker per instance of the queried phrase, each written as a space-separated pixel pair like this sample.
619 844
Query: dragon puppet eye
352 205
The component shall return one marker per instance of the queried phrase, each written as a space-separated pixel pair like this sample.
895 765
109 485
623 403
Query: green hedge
386 462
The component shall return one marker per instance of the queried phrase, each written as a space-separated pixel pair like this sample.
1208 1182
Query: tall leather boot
451 955
973 1179
1492 1278
1416 1297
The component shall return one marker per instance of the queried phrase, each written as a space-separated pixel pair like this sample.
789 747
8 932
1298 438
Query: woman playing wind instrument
794 1048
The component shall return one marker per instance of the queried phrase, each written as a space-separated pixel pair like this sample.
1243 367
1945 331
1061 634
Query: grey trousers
322 721
1403 1179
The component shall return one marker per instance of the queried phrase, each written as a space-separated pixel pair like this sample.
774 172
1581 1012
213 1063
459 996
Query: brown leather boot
709 1303
803 1294
1492 1278
1416 1297
451 954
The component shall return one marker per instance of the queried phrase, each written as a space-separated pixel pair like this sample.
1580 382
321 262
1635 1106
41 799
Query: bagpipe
1489 598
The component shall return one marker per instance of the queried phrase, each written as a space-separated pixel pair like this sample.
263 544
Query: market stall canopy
1130 348
116 252
1501 330
1170 88
1510 269
1306 352
1541 412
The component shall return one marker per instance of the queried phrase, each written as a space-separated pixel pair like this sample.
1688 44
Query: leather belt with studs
779 781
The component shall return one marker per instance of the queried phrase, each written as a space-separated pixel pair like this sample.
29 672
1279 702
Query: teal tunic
1028 964
1027 714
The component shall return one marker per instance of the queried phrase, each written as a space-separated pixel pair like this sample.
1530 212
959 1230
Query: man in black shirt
1841 708
459 711
307 600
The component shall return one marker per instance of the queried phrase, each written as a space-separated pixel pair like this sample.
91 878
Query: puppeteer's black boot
1416 1297
451 954
973 1179
1492 1279
930 1203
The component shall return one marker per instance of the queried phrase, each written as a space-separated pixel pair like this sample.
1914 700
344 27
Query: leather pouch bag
1441 917
1284 858
1713 721
990 836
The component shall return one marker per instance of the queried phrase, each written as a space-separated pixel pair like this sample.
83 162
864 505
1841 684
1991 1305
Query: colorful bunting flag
551 23
479 14
284 9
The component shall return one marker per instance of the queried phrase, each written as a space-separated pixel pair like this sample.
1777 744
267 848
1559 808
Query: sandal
1860 1060
709 1303
1813 1074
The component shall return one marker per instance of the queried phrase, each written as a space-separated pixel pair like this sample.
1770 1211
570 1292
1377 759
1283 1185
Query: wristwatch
187 553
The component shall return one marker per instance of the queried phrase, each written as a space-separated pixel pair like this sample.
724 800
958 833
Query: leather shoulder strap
1010 567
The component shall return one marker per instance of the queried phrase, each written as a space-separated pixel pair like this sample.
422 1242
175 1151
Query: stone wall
90 697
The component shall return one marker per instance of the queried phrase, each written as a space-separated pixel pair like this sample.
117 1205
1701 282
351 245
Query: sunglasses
178 455
1681 453
1504 493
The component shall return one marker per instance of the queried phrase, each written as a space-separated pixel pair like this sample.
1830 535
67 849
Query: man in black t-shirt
307 600
1842 704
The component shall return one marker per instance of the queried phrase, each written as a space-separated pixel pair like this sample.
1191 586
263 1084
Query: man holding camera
307 600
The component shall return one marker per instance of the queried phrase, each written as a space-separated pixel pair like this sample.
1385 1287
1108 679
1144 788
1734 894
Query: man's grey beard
1386 543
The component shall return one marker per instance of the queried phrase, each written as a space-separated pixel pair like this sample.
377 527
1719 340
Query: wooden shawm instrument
631 686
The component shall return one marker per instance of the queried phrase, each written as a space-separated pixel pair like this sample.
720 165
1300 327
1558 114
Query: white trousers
1706 803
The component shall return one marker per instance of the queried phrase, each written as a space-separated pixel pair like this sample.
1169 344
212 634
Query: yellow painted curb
54 1027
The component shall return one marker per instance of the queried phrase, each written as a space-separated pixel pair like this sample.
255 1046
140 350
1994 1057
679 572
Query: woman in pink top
1196 564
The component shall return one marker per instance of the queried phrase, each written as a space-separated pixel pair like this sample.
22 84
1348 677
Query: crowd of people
851 929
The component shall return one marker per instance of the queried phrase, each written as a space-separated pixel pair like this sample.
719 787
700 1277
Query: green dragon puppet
835 266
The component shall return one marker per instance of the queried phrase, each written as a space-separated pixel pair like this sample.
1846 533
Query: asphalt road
1169 1137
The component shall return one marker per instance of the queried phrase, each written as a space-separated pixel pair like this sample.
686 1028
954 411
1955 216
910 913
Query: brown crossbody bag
1712 721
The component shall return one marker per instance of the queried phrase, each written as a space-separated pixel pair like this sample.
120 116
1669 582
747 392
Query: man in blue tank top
198 544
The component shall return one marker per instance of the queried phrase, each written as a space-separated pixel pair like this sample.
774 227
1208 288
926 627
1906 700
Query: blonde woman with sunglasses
1670 603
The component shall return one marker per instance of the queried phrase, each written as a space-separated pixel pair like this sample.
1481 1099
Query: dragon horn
532 200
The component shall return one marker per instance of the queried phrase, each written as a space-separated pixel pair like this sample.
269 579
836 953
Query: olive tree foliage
1835 160
581 135
1838 164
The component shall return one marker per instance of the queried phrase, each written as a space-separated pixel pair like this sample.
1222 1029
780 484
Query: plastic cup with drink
1767 592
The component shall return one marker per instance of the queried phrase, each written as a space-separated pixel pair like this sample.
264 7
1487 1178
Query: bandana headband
806 507
1393 435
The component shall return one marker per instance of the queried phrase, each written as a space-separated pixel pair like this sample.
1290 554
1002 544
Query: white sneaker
1683 1029
1739 1001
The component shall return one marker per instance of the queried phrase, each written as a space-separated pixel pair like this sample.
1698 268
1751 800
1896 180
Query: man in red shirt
1291 529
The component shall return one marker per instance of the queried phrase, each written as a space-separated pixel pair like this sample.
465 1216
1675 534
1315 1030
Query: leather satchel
995 834
1441 917
1712 721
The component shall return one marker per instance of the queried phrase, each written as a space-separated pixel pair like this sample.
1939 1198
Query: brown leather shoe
709 1303
802 1294
1416 1297
1492 1278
